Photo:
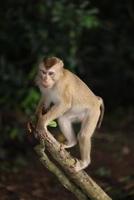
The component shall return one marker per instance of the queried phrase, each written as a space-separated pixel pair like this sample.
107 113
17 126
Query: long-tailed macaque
68 99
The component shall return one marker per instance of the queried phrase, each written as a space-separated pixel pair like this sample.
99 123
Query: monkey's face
49 72
46 78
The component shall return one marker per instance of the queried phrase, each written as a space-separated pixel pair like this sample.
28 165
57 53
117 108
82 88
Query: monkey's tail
102 109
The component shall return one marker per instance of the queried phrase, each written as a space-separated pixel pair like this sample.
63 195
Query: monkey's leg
84 138
67 130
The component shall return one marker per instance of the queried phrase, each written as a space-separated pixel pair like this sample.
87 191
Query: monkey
71 101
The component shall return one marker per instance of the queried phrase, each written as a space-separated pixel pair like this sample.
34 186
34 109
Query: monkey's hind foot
67 145
79 165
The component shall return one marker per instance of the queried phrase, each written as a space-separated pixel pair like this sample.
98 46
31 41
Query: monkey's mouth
45 85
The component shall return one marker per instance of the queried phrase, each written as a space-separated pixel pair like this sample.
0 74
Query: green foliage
30 30
108 54
53 124
101 49
30 101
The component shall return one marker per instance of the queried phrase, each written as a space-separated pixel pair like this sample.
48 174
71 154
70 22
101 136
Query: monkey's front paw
40 133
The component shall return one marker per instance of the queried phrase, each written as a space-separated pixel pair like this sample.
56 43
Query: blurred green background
96 41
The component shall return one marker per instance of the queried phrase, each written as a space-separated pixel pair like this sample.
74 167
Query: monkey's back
81 93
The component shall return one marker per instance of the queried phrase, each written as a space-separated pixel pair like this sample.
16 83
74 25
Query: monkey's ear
61 63
57 61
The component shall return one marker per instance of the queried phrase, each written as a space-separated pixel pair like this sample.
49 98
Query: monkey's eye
51 73
43 72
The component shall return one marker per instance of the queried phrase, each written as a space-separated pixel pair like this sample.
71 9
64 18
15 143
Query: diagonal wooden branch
81 179
40 150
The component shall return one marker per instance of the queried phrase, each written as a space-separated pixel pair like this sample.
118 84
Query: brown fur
72 101
49 62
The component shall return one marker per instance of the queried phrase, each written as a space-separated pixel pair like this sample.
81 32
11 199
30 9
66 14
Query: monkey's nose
45 83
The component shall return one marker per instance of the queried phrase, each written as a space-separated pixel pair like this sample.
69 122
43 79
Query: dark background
95 40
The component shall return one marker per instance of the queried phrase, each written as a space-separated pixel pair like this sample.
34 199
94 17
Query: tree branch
81 178
40 150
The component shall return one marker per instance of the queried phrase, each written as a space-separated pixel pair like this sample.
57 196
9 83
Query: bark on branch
81 183
40 150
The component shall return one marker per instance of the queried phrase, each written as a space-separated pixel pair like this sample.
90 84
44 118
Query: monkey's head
49 72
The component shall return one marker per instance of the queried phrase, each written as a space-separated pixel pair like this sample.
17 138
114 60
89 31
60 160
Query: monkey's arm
55 111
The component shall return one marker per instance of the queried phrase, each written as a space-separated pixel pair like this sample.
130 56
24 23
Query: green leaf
31 97
89 21
52 124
